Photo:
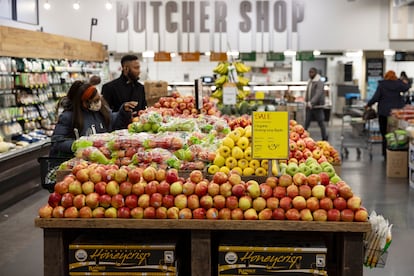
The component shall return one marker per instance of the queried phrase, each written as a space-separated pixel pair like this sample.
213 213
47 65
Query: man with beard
126 88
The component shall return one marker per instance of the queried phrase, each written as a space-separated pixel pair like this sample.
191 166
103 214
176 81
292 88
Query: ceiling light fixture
316 53
148 54
76 5
289 53
108 5
389 52
46 5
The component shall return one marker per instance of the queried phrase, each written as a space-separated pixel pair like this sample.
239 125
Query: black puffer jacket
63 135
388 95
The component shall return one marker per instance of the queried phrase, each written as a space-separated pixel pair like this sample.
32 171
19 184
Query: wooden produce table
344 240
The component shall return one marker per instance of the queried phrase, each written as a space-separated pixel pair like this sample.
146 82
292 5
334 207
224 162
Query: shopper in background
315 101
126 88
65 103
95 80
89 114
388 96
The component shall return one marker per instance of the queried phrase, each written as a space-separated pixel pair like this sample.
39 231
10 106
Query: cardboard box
293 259
338 169
155 89
113 258
397 163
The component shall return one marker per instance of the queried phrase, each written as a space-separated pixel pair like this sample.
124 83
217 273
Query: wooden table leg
200 253
54 253
352 254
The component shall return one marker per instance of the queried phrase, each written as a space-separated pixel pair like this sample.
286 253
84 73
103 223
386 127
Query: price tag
270 139
229 95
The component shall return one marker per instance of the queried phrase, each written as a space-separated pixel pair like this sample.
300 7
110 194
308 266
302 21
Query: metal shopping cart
358 133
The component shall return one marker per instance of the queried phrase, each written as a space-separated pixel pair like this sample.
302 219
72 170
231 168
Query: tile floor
21 246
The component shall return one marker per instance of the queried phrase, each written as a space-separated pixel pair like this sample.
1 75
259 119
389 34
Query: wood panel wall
16 42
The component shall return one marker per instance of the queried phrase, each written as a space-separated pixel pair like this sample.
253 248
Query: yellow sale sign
270 139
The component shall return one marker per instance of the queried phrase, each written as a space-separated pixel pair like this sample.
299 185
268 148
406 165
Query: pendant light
76 5
46 5
108 5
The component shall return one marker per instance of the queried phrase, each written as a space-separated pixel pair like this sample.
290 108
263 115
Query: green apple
329 170
305 170
325 164
292 168
335 179
282 167
311 160
315 168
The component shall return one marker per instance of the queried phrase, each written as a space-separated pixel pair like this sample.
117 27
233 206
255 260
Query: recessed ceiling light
76 5
46 5
108 5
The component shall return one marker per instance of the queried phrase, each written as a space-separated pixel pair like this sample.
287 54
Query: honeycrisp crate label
119 259
258 260
229 95
270 135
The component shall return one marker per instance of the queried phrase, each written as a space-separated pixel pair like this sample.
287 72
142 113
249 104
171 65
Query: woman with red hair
388 96
89 114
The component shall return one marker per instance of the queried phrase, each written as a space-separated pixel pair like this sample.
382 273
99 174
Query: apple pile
302 146
109 191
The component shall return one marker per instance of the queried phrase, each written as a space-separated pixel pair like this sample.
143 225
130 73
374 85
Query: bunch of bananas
221 80
241 67
242 81
218 94
222 68
242 94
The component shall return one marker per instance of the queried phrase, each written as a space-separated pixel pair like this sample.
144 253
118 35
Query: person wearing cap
89 115
388 96
126 87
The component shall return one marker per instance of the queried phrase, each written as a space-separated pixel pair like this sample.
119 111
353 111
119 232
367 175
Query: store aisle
21 246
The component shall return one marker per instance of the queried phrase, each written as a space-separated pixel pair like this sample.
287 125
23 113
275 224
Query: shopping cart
358 133
48 169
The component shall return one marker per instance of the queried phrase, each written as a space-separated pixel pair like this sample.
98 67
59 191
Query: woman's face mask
95 105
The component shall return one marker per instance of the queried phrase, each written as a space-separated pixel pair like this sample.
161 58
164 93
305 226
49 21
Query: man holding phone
126 88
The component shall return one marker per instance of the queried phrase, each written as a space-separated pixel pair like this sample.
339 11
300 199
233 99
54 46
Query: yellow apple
224 151
264 163
248 154
235 135
243 163
231 162
241 130
248 171
243 142
260 171
225 170
248 131
213 169
238 170
219 160
254 164
237 153
227 141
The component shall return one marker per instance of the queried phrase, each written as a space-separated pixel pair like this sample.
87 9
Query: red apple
250 214
292 191
334 215
234 179
331 191
225 189
219 202
347 215
265 190
75 187
193 202
272 181
326 203
131 201
161 213
354 203
105 200
361 215
98 212
71 212
137 213
149 212
82 175
61 187
232 202
134 175
171 176
312 204
100 188
292 214
300 179
79 201
238 190
144 201
299 202
237 214
265 214
156 200
58 212
340 203
46 211
54 199
196 176
185 213
320 215
220 177
164 187
212 213
88 187
201 188
85 212
199 213
324 178
151 187
168 201
180 201
285 180
120 175
345 191
117 201
279 192
313 179
224 213
272 203
139 188
172 212
305 191
285 203
252 188
206 202
161 175
213 189
67 200
278 214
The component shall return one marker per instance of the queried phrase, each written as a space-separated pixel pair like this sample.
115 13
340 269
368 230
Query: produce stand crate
344 240
154 90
